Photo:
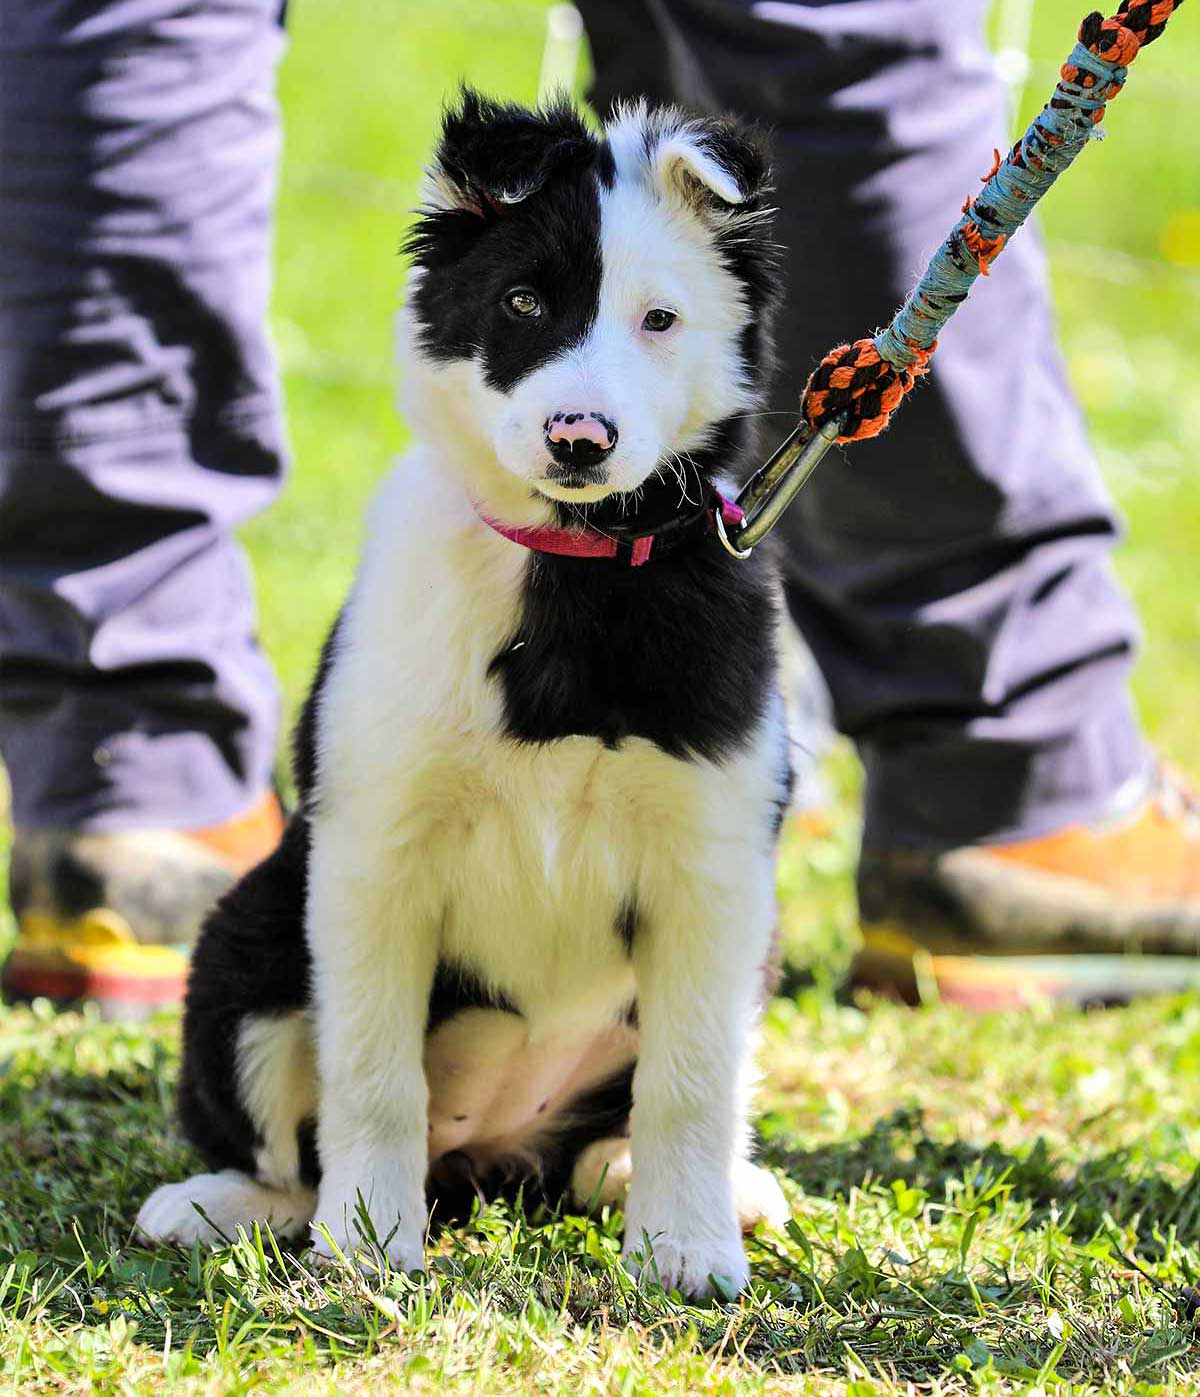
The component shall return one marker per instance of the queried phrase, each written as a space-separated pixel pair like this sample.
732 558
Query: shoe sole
119 995
892 963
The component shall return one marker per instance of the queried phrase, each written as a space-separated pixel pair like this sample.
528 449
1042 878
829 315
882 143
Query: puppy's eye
659 319
523 304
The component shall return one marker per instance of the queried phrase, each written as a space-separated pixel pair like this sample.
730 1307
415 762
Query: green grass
968 1199
980 1204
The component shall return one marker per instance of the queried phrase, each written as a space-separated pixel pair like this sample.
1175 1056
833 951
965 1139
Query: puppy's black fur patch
549 244
677 652
251 960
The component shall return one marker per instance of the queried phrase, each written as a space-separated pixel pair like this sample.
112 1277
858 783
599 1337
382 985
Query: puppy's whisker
671 462
587 523
776 412
677 466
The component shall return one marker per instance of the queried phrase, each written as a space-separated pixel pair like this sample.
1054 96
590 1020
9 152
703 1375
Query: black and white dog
518 930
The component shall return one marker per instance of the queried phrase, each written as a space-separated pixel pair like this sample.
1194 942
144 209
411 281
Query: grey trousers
139 406
952 578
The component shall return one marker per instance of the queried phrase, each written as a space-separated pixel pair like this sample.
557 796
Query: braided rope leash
863 383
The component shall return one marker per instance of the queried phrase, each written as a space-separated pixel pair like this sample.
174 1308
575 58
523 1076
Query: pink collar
591 543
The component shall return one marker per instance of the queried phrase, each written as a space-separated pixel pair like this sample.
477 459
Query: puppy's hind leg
247 1093
758 1197
600 1177
604 1169
276 1082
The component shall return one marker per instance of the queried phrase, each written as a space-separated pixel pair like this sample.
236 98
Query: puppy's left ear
711 164
496 153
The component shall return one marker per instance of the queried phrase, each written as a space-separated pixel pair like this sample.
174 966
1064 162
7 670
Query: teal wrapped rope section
1054 138
860 385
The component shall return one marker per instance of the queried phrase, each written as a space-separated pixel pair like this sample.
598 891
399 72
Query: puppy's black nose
580 440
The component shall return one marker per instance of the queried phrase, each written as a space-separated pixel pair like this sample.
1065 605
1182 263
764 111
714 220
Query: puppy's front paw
343 1229
687 1263
402 1255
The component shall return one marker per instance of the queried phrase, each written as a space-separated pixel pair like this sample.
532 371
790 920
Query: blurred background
362 88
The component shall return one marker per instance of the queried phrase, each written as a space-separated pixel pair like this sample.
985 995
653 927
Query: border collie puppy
516 934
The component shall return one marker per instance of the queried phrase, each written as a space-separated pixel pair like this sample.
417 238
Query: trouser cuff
937 792
134 771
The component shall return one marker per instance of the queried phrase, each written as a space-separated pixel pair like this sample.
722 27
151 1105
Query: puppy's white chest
555 844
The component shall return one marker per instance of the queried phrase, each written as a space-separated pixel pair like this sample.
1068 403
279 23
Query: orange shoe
1091 914
111 917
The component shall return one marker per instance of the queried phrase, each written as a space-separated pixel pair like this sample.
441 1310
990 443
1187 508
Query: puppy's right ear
494 154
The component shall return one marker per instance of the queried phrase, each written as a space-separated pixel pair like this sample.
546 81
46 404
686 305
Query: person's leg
139 413
952 576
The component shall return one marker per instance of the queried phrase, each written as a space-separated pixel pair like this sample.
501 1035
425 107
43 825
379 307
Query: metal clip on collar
774 485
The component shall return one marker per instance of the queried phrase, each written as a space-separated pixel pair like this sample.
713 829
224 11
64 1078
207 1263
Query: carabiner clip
774 485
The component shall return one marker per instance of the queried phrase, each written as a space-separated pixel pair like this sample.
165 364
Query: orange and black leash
856 388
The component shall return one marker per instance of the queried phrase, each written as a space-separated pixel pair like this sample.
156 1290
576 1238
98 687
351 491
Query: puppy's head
586 309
